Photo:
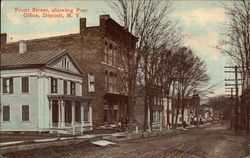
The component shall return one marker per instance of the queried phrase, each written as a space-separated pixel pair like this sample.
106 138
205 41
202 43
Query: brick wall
87 47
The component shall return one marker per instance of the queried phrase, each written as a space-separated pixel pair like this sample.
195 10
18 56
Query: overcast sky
202 23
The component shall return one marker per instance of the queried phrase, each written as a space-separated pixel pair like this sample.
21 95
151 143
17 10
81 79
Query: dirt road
212 142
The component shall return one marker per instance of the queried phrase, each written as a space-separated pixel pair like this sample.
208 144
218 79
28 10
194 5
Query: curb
10 149
132 136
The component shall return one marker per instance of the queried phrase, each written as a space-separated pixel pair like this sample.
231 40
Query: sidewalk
23 145
15 146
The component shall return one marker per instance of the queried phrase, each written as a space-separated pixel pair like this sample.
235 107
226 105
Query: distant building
190 112
42 90
207 112
157 106
99 50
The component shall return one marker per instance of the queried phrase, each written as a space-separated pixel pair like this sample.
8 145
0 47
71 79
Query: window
77 113
86 113
105 115
8 85
115 57
25 84
106 81
110 56
65 87
6 113
115 113
110 82
72 88
25 113
106 52
62 63
154 116
53 85
115 83
91 82
65 63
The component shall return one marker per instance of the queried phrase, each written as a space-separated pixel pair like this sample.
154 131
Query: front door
68 112
55 112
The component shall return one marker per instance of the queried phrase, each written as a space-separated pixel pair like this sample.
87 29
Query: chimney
82 24
3 38
125 28
103 18
22 46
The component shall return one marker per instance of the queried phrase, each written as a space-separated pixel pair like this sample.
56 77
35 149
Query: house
99 50
206 112
190 112
42 90
156 106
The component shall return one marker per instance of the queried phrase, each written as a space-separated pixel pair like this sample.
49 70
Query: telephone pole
235 109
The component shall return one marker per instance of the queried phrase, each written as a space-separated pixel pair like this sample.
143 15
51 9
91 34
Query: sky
201 22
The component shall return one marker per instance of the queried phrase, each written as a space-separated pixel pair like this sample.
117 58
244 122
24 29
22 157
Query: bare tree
237 43
149 21
191 75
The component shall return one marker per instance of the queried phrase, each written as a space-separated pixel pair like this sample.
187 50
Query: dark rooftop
38 58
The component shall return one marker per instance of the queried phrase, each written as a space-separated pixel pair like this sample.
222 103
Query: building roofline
44 38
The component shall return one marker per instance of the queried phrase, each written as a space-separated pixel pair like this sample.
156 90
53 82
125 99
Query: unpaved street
211 142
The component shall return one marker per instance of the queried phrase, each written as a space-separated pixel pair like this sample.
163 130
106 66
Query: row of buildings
69 80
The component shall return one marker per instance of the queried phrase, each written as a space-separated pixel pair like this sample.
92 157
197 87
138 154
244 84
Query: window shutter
51 85
6 113
25 84
86 113
72 88
65 88
4 85
11 85
55 85
25 113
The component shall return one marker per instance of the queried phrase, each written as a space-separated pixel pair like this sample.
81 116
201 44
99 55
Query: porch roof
70 97
115 96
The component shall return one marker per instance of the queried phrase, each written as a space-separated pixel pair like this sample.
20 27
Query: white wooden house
41 91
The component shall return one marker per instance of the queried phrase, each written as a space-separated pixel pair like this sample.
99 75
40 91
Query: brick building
157 106
99 50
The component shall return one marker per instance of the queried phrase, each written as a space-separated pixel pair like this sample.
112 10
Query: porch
70 114
115 108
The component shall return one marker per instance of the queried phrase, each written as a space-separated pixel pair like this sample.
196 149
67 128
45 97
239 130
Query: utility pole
235 109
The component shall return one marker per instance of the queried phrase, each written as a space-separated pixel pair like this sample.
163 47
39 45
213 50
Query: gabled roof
33 59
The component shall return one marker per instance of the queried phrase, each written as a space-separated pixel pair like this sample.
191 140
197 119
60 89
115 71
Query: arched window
106 52
106 81
91 82
111 81
114 57
110 54
115 83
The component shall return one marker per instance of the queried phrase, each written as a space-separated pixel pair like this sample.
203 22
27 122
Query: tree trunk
168 113
145 125
173 104
182 106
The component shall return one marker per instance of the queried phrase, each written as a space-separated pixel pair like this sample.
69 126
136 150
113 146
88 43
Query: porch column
90 115
82 113
59 113
63 113
50 114
73 112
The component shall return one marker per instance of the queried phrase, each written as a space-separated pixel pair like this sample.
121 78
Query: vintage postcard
124 78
